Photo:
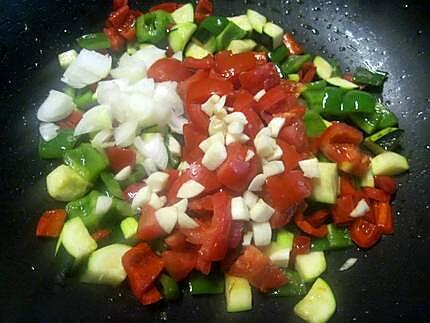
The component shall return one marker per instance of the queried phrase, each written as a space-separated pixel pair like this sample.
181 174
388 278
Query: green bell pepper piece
386 139
314 124
380 134
56 147
386 117
320 244
332 101
294 63
229 33
153 27
314 99
86 161
112 185
278 55
85 99
211 26
364 76
201 284
295 286
317 85
170 288
337 238
358 101
94 41
368 122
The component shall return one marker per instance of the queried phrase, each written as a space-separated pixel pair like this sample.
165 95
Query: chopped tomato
347 187
319 232
128 29
149 228
301 246
167 6
282 217
339 143
201 206
192 138
244 102
117 4
120 157
117 18
261 57
179 263
150 296
307 73
236 173
364 233
318 218
173 175
236 234
168 69
197 117
184 86
199 173
376 194
254 266
285 190
142 267
200 91
51 223
204 9
342 209
101 234
215 245
176 240
242 99
293 133
383 217
197 235
272 98
386 183
290 156
292 45
203 265
71 121
117 42
231 66
262 77
131 191
203 63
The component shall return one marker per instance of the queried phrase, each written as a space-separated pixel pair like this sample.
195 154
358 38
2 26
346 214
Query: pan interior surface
388 283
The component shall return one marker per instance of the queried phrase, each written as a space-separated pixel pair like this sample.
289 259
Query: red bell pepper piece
305 226
179 263
204 9
51 223
101 234
167 6
71 121
292 45
203 63
383 217
301 246
386 183
364 233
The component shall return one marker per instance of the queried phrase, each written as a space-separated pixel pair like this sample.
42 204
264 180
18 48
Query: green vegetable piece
374 148
386 117
170 288
241 45
381 134
86 161
336 71
314 124
310 265
368 122
317 85
314 99
230 32
112 185
238 294
56 147
137 175
67 58
284 239
211 26
129 227
256 19
389 163
364 76
294 63
180 35
69 91
65 184
278 55
183 14
94 41
325 188
338 237
320 244
201 284
242 22
196 51
85 100
295 286
152 27
332 101
341 82
293 77
76 239
358 101
275 33
324 69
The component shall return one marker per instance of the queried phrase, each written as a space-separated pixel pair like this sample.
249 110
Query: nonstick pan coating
390 282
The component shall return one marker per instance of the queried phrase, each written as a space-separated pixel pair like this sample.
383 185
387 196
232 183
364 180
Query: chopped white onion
57 106
176 123
144 86
149 166
103 205
239 210
167 218
257 183
261 211
130 67
48 131
264 143
310 167
123 174
157 181
262 233
95 119
259 95
101 138
275 125
361 209
125 133
276 155
214 156
348 264
150 54
273 168
186 222
190 189
235 128
173 145
247 238
181 205
249 155
165 95
157 202
88 68
142 196
153 147
250 199
236 117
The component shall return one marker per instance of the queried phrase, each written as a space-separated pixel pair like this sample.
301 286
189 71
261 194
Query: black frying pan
390 283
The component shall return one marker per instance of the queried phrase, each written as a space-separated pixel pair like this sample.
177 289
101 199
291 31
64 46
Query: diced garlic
247 238
310 167
259 95
249 155
250 199
190 189
214 156
216 138
141 197
275 125
262 233
167 218
257 183
157 181
273 168
239 210
261 211
123 174
361 209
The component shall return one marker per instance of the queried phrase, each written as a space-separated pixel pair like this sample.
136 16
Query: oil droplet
287 12
419 32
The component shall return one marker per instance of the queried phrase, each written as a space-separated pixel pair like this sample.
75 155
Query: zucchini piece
230 32
389 163
105 266
279 255
295 286
256 19
195 51
318 305
129 227
180 35
184 14
241 45
284 239
275 33
238 294
293 77
279 54
340 82
67 58
242 22
367 180
324 69
325 188
64 184
311 265
76 239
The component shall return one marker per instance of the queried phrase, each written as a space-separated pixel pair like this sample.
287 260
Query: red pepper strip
167 6
51 223
204 9
376 194
364 233
101 234
128 29
203 63
117 4
143 266
306 227
261 57
176 240
117 42
301 246
179 263
342 209
383 217
318 218
386 183
71 121
117 18
271 98
292 45
307 72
